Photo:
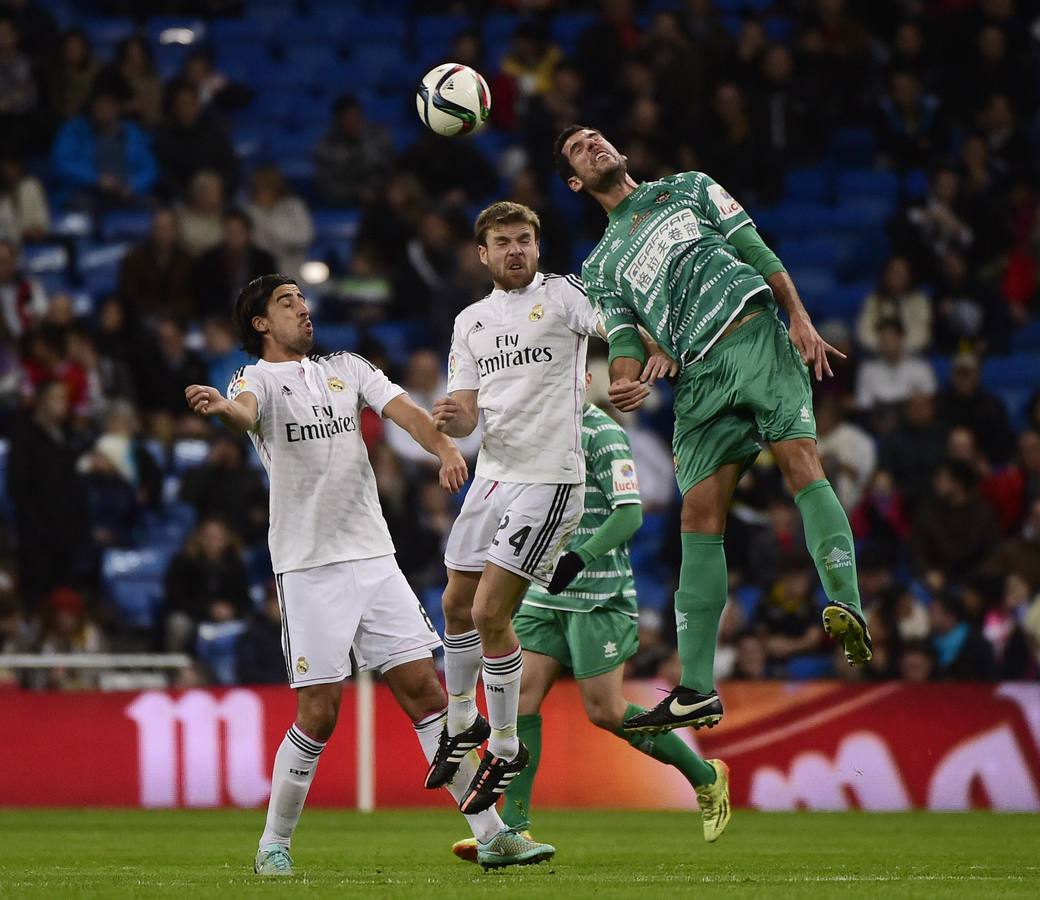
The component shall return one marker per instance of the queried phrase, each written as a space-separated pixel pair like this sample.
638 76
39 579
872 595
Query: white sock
484 825
502 691
461 670
294 766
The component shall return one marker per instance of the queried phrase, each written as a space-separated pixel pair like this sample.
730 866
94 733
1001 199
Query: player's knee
316 717
428 697
604 716
698 520
458 610
489 619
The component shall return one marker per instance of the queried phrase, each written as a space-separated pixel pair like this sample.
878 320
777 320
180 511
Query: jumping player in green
587 622
682 258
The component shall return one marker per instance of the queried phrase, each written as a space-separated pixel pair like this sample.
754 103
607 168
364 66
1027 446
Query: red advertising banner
813 745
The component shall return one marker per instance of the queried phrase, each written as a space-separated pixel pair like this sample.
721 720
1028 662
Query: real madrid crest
536 312
335 384
302 665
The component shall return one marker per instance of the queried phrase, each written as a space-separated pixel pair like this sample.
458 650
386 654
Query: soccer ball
453 99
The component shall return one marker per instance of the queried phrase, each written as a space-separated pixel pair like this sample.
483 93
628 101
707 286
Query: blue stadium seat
390 32
748 596
1016 370
1027 338
225 33
333 336
216 648
147 562
871 183
439 30
802 218
779 29
399 339
815 285
821 251
566 28
808 185
133 583
336 223
810 666
98 266
41 258
843 301
853 146
125 226
104 33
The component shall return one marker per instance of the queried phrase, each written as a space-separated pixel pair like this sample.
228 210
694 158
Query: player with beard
518 357
339 586
681 258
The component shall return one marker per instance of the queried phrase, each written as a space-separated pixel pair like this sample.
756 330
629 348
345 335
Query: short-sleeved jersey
523 352
665 262
607 582
324 504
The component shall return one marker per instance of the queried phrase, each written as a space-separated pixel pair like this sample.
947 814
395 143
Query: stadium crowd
930 430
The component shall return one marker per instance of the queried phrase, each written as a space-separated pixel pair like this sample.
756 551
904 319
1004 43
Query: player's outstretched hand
814 349
628 395
444 412
567 570
660 365
204 400
454 471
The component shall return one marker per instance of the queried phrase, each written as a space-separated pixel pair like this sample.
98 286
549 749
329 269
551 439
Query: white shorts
520 527
364 605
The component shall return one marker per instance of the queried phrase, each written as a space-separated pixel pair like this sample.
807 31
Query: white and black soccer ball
453 99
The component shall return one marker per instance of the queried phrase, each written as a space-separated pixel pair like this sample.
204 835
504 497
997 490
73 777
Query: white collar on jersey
312 373
535 284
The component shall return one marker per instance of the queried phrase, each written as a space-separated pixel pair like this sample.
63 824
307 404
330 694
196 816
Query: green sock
669 749
698 606
517 808
829 539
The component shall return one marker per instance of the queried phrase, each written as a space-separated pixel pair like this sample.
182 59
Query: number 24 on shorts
517 539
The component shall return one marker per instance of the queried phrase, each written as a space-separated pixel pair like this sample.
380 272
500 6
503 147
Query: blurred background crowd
149 167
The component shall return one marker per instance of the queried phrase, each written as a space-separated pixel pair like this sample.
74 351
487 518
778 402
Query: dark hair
563 165
239 215
962 472
892 322
344 102
123 50
252 301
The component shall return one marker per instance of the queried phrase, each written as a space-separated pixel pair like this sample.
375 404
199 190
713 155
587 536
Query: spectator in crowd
786 618
353 159
425 382
24 211
102 162
779 539
260 659
1006 628
1012 490
732 151
37 30
49 506
65 627
894 375
881 520
221 351
750 662
282 224
132 77
206 582
526 72
23 301
935 225
192 140
222 272
914 449
11 378
226 485
155 276
967 313
1004 135
20 113
120 440
113 507
910 124
556 240
388 225
454 170
846 451
916 662
966 403
954 531
782 113
71 79
170 369
961 652
430 259
201 219
15 635
896 297
214 87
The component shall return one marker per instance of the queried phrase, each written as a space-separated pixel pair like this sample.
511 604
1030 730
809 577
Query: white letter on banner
995 759
200 716
863 766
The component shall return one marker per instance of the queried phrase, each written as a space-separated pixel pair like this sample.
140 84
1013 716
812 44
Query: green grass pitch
199 855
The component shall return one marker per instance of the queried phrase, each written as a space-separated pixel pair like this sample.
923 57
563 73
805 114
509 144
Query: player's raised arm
456 415
239 415
403 411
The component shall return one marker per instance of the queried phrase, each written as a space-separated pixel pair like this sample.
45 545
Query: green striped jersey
665 262
610 481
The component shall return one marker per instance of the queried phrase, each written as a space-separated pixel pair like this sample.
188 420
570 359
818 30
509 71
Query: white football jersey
324 504
523 351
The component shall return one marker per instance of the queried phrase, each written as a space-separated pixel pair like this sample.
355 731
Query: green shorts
751 386
587 643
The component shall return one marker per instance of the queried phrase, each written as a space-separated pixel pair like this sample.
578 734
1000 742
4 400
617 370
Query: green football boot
713 800
273 860
849 627
510 848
